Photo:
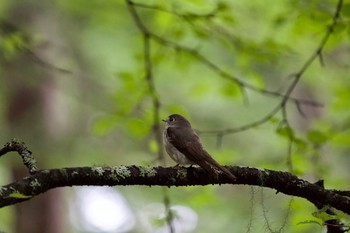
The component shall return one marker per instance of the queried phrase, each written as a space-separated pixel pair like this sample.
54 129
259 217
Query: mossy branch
283 182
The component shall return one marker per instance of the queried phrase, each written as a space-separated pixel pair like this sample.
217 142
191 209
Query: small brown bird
184 146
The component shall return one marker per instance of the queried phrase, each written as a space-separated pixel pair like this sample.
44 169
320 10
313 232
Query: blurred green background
73 88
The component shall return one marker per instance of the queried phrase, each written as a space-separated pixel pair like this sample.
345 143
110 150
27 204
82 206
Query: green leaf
128 79
18 195
342 140
200 34
228 18
339 28
230 90
12 44
222 6
323 215
285 131
316 136
256 79
274 120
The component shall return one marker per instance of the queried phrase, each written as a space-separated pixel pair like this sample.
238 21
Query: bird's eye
171 119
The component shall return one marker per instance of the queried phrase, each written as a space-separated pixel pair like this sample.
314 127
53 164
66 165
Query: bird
183 145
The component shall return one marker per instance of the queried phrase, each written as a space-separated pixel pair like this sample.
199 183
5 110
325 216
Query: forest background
87 83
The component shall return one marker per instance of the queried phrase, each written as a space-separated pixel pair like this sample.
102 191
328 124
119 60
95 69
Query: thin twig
286 96
155 102
210 64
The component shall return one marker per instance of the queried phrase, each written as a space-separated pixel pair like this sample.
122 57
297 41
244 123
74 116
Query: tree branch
283 182
22 150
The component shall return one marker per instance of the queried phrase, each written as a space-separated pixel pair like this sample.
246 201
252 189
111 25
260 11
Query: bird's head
176 120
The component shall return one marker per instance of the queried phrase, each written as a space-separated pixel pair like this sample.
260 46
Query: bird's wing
188 143
201 157
183 140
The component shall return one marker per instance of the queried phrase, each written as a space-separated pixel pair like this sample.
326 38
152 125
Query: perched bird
184 146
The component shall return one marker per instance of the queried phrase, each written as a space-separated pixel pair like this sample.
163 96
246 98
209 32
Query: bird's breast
174 153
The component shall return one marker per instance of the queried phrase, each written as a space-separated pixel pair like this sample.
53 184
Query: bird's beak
166 120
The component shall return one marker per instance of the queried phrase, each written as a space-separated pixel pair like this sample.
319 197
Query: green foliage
230 90
323 215
342 140
105 124
138 127
285 131
317 137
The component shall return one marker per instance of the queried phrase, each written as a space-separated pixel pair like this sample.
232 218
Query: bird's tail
208 166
